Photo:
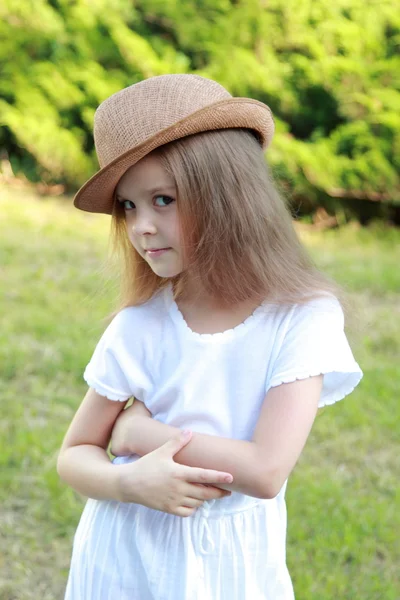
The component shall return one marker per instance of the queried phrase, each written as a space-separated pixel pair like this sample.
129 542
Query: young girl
228 339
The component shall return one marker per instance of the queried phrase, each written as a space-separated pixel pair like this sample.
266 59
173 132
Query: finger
196 475
205 492
192 502
208 485
184 511
213 493
175 444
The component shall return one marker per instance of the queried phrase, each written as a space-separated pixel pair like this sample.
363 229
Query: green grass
343 519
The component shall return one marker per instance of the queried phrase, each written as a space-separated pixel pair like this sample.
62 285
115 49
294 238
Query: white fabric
230 549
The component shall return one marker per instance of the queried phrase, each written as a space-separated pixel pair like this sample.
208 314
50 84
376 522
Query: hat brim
97 194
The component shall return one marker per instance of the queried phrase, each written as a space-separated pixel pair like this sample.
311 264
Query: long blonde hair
237 232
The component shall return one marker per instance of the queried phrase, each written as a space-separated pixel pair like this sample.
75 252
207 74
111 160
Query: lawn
344 517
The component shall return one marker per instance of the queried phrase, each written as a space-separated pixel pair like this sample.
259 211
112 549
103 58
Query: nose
143 224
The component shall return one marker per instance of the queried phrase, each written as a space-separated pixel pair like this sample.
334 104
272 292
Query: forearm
89 471
240 458
260 467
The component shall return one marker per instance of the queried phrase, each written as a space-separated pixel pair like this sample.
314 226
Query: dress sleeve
114 370
315 343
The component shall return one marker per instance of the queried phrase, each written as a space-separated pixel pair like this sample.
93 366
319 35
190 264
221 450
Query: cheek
175 229
177 236
129 226
130 234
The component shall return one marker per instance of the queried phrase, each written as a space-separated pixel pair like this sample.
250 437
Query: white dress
233 548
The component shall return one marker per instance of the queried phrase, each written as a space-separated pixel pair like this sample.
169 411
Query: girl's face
148 195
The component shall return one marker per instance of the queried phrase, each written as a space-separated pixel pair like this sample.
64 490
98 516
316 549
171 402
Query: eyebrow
156 190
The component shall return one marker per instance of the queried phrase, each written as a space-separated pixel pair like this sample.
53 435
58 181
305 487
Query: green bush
330 73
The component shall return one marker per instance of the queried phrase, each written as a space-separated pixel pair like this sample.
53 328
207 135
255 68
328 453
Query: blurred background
330 72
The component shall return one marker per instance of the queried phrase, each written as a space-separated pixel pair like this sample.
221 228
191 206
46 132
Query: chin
167 273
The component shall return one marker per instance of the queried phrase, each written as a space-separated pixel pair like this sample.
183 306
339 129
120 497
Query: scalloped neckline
228 334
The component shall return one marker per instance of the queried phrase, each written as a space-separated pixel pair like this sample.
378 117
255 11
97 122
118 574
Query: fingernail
228 479
186 433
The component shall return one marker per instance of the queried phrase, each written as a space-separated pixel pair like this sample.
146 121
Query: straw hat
153 112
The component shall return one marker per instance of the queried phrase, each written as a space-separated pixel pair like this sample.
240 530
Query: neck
196 296
205 314
194 293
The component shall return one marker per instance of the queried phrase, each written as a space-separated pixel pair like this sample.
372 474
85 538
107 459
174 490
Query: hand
158 482
121 435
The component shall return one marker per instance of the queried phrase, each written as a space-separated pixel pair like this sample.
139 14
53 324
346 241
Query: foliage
329 71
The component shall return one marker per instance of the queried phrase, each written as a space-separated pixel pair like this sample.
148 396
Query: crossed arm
174 468
259 467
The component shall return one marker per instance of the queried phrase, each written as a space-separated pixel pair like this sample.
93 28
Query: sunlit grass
343 518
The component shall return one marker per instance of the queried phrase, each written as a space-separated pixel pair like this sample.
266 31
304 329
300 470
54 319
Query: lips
155 249
154 252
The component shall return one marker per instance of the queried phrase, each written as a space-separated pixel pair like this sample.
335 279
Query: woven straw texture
149 114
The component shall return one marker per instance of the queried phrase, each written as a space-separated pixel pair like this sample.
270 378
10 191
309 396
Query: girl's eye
128 205
162 201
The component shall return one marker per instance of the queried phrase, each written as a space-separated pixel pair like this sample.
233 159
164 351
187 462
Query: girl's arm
156 480
259 467
83 462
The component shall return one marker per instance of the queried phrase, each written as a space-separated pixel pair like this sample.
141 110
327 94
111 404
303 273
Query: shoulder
302 323
314 342
135 326
320 310
145 315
